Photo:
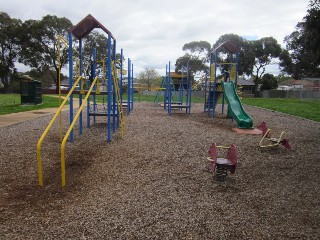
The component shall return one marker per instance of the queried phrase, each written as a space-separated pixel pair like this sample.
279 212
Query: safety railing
40 173
63 167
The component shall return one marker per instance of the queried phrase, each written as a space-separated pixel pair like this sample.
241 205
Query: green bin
30 91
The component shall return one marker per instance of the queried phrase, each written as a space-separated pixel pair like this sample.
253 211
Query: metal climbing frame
114 108
213 88
184 97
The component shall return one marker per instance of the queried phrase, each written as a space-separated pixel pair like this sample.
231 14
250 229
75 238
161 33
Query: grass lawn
11 103
306 108
310 109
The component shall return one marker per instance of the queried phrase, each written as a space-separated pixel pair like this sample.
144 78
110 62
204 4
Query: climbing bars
63 168
40 176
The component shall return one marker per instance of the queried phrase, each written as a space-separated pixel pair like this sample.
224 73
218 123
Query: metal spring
221 173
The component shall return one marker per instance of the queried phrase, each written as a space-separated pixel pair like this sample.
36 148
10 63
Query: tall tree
9 47
266 51
149 77
91 41
312 26
268 82
197 54
254 55
39 44
246 52
302 56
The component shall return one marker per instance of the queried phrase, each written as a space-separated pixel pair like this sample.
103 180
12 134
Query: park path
14 118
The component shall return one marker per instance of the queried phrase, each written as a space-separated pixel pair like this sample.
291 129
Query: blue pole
205 93
108 62
94 66
215 84
129 86
80 95
132 86
189 88
170 93
165 97
237 68
88 104
121 75
70 84
114 104
181 92
209 91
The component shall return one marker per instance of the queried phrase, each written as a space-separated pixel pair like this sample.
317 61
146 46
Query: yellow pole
212 72
59 84
63 165
40 176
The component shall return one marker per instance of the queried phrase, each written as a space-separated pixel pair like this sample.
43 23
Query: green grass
309 109
11 103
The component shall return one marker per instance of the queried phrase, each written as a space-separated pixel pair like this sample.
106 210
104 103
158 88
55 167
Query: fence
308 94
291 94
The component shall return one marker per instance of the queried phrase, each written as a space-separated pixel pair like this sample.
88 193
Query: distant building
247 86
304 84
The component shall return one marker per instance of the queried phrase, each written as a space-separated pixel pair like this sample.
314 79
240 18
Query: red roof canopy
86 25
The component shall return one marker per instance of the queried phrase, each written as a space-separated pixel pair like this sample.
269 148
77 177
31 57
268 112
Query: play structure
221 166
269 142
103 82
182 88
160 90
128 103
225 86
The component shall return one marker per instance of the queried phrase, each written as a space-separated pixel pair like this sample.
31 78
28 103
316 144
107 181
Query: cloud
152 33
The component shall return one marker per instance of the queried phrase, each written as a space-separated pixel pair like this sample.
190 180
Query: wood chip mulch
155 183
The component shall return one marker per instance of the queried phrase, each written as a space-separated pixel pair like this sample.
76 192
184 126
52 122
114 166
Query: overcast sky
152 33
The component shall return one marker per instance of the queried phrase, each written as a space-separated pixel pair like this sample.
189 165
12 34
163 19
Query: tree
91 41
39 44
197 54
9 46
254 55
246 52
149 77
312 26
302 55
268 82
266 50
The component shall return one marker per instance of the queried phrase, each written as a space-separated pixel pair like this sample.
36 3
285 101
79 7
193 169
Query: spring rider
268 142
221 166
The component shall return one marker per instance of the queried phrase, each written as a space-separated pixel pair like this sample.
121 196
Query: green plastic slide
235 109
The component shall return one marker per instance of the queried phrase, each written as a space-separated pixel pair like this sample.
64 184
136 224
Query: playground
122 170
155 183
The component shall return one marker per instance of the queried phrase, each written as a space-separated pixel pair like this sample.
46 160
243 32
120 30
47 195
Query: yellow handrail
63 167
47 130
66 42
222 147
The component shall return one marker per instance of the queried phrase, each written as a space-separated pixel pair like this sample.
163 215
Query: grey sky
153 32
